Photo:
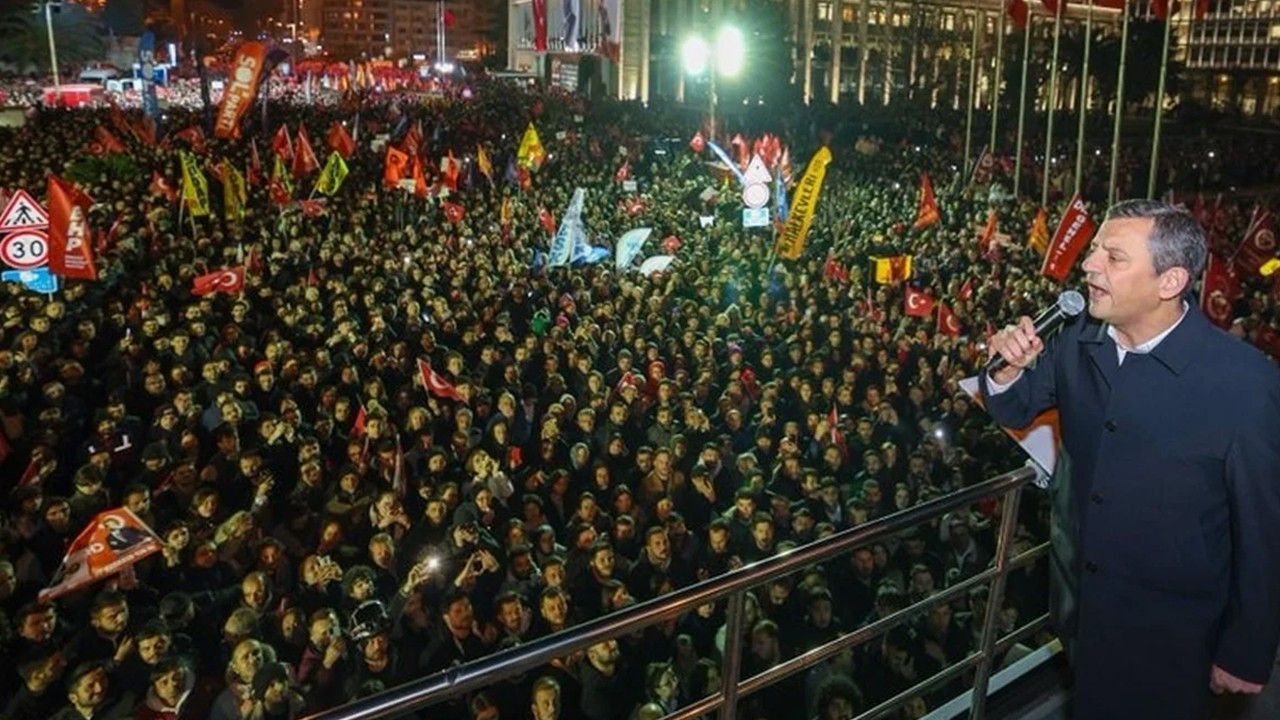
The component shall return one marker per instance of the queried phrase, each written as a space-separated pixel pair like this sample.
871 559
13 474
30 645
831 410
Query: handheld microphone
1068 305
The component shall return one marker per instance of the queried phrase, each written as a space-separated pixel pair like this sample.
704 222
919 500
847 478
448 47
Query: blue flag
571 233
629 247
780 197
724 157
585 254
39 280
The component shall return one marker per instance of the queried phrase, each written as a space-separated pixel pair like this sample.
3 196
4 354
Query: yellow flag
195 189
791 241
892 269
234 194
1038 237
482 160
335 171
531 153
280 174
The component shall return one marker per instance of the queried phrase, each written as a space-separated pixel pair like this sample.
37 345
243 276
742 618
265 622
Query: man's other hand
1221 681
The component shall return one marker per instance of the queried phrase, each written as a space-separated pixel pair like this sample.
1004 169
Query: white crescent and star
226 279
1265 240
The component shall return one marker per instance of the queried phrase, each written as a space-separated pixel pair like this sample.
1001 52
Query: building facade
1232 57
882 51
398 29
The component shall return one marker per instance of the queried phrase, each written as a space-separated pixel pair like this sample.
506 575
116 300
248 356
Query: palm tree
77 32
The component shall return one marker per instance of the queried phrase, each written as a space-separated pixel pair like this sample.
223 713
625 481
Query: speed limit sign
25 249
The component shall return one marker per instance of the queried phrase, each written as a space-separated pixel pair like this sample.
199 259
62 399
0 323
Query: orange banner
242 87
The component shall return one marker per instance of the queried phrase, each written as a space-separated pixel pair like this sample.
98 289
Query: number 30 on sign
25 249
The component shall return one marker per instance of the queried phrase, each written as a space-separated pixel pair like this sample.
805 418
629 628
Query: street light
49 9
726 58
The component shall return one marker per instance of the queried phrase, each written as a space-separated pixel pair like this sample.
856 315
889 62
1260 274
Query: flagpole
1049 99
973 75
1022 105
1084 97
997 81
1154 171
1119 109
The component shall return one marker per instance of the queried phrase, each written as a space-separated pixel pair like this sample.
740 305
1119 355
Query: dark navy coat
1166 528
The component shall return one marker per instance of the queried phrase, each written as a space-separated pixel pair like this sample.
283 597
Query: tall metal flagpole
973 76
997 80
1154 172
53 51
1022 105
1115 133
1049 99
1084 97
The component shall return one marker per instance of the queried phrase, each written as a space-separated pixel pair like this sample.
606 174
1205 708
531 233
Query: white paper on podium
1039 440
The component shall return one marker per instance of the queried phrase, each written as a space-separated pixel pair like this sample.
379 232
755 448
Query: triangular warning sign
23 213
756 172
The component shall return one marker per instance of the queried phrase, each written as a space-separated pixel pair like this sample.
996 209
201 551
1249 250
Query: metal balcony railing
478 674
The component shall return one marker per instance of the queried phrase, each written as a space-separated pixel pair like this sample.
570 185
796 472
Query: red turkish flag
948 323
698 143
312 208
966 290
362 417
918 303
623 172
160 185
988 232
1018 12
281 144
450 169
255 164
1220 291
195 136
110 143
70 239
227 280
436 384
304 157
340 141
1073 234
547 219
453 212
1258 247
928 214
834 270
420 187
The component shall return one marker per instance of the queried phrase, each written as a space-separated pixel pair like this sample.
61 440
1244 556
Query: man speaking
1166 499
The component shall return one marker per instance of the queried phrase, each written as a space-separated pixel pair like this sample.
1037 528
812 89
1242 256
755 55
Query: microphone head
1071 303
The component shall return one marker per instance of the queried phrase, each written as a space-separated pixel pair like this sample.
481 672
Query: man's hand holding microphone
1012 350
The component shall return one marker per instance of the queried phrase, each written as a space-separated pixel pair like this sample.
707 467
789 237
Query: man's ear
1173 282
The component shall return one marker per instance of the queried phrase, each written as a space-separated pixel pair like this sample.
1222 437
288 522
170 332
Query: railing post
995 599
731 668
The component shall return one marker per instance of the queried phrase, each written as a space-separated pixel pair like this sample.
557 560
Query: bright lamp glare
730 51
695 55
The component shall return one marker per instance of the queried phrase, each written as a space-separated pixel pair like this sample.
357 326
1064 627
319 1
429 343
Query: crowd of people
331 527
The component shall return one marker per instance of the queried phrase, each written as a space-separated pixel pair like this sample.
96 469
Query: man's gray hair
1177 239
